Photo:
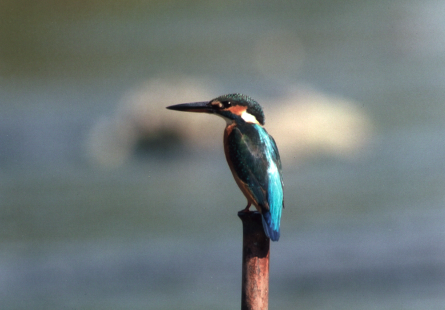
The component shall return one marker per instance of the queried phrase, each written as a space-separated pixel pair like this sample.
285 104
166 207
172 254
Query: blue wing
256 161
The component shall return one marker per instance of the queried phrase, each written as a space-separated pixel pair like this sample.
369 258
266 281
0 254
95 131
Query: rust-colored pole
255 278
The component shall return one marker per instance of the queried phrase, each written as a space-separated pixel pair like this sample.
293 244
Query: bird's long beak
202 107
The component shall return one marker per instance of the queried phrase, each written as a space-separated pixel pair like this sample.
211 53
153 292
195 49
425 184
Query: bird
251 154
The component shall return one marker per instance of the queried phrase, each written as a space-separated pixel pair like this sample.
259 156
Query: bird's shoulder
247 139
248 154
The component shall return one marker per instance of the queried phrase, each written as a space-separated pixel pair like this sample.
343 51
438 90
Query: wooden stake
255 277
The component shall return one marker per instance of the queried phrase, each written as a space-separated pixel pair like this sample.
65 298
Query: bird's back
256 166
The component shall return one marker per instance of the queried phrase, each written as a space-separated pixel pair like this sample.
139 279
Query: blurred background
110 201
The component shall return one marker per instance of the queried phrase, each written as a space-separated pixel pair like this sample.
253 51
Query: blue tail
272 231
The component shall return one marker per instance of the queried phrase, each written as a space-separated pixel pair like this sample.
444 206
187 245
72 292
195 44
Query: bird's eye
220 105
226 104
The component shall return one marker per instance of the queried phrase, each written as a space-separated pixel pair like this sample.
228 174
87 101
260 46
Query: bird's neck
238 122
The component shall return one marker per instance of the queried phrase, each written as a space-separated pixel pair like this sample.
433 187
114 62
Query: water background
159 230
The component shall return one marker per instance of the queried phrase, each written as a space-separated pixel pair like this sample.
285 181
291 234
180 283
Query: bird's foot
246 209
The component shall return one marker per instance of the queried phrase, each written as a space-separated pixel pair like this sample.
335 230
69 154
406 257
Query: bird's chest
226 142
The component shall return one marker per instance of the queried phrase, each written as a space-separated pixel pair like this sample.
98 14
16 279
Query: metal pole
255 278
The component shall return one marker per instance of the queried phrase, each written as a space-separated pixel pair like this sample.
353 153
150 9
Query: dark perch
255 278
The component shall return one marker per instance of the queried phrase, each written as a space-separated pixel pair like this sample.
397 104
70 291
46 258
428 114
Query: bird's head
231 107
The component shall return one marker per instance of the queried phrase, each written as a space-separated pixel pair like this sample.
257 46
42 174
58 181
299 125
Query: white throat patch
249 118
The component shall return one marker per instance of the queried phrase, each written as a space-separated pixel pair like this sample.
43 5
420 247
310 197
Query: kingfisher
251 153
